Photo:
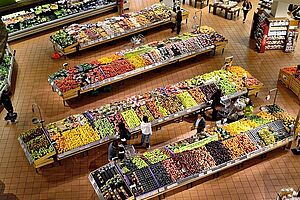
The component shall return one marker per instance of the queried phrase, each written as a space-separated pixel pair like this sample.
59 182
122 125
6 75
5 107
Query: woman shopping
246 7
146 131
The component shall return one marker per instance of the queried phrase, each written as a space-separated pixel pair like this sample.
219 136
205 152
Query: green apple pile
131 118
138 162
155 156
226 86
104 127
267 136
187 100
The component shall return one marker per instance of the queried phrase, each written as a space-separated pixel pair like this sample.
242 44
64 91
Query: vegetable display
41 14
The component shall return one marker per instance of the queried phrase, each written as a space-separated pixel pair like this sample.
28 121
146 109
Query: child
146 131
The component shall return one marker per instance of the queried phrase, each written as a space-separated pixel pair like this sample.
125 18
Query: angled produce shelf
77 37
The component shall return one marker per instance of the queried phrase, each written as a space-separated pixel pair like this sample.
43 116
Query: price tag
161 189
171 186
201 174
209 171
160 120
176 115
189 110
167 118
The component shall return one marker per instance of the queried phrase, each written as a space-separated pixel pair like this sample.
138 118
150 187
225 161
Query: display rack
61 21
161 189
273 33
287 77
78 91
77 47
6 83
46 158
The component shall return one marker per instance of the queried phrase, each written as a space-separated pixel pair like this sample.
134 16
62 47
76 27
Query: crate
295 86
71 93
284 78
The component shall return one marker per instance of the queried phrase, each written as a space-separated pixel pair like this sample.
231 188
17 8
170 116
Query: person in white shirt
146 131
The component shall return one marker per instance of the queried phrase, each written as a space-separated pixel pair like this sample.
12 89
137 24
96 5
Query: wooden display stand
290 82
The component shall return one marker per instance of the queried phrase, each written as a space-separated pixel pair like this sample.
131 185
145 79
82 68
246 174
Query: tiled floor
258 179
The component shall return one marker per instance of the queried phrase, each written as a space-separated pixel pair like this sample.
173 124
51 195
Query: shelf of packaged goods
109 38
265 5
69 95
61 21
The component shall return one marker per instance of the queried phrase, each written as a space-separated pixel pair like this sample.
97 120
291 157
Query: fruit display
73 138
245 142
198 95
260 120
138 162
104 127
184 144
92 74
37 144
131 118
144 111
171 103
290 70
41 14
160 174
110 183
209 90
93 32
218 152
141 181
267 136
226 86
5 70
233 146
156 156
173 170
187 100
240 126
266 116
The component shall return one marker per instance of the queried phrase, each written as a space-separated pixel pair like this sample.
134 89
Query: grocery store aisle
259 179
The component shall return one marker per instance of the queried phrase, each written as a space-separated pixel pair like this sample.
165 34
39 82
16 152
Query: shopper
6 102
199 124
113 150
124 133
216 103
246 7
146 131
248 111
120 4
173 19
178 20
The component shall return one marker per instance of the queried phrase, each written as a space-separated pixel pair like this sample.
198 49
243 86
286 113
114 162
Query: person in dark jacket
6 102
178 20
113 150
216 102
124 133
199 124
246 7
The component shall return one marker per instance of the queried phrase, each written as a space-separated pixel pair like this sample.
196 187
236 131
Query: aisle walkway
69 181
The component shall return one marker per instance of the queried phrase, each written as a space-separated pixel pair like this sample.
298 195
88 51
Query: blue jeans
147 139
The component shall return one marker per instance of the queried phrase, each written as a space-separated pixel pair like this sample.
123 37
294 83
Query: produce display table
6 70
185 161
128 63
13 20
287 77
83 36
81 132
